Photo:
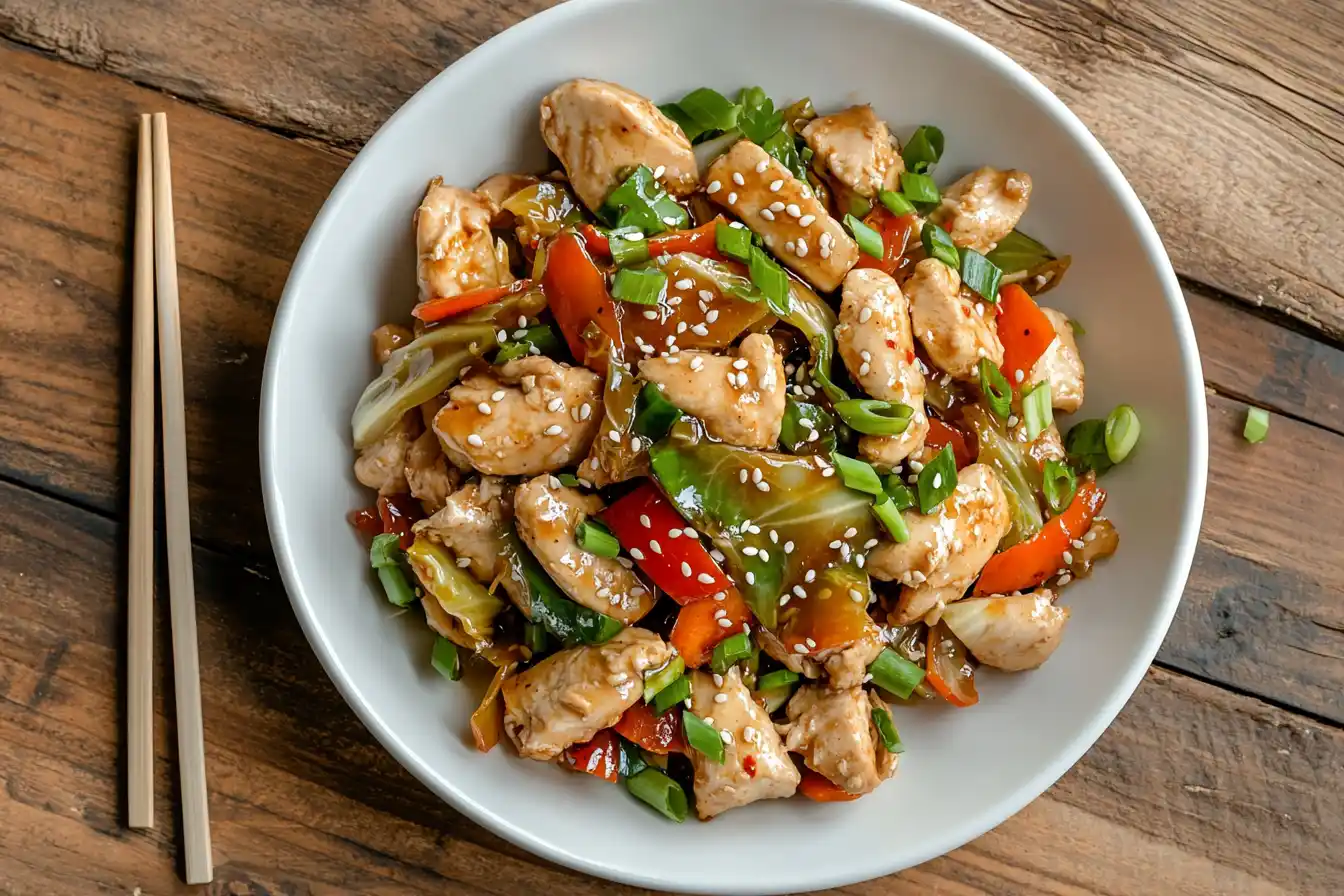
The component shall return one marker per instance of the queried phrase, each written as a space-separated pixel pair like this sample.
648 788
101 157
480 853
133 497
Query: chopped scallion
1086 446
896 203
1257 425
626 252
886 730
980 274
895 674
771 280
702 736
385 556
658 680
1077 328
938 244
730 651
937 480
1122 432
656 414
875 418
595 538
899 492
857 474
659 791
869 240
639 286
569 480
994 386
445 659
385 551
919 188
641 202
780 678
924 148
735 242
673 694
1036 411
1059 483
543 339
889 515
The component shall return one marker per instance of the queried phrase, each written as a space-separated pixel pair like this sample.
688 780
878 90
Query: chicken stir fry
720 464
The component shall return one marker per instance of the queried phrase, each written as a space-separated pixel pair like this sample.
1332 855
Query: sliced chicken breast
382 465
456 250
954 333
473 523
833 731
1061 365
428 475
983 207
857 149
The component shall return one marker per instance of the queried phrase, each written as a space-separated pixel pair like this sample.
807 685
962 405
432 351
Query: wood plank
1219 791
64 342
1245 211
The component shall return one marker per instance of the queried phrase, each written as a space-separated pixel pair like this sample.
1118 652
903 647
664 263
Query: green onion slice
702 736
446 660
869 240
656 414
886 730
398 590
1122 432
895 674
729 651
889 515
981 275
595 538
924 148
771 280
780 678
937 480
875 418
626 251
899 492
1037 414
938 244
543 339
1086 446
385 551
857 474
640 286
641 202
994 386
896 203
1257 425
658 680
659 791
735 242
569 480
674 693
1059 484
919 188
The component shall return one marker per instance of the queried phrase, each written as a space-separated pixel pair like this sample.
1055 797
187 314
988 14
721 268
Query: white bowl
963 771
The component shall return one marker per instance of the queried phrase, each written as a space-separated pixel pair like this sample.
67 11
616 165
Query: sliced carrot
1026 565
1025 332
576 293
657 734
700 240
698 631
442 307
820 789
941 434
600 757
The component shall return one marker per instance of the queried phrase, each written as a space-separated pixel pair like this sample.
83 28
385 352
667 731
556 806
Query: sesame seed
826 239
725 623
717 555
788 547
1078 543
776 185
762 165
685 283
655 546
658 172
865 315
726 737
673 533
554 429
767 214
498 395
811 643
475 441
798 590
685 569
502 335
483 408
937 479
835 545
650 314
1012 420
1018 375
737 225
784 600
806 220
776 206
555 404
851 532
828 472
870 544
859 560
585 411
792 210
791 246
750 551
751 577
800 648
802 248
705 578
714 187
740 364
824 251
637 553
756 476
625 563
720 698
865 368
742 475
463 562
1065 579
738 179
916 465
1068 557
810 576
856 595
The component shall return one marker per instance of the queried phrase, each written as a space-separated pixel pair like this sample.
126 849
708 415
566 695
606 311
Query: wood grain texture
1239 160
1193 789
1253 611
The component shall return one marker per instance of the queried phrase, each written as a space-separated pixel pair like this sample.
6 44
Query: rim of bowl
853 869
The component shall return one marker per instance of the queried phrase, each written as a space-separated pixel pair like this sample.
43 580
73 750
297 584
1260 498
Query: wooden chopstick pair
156 278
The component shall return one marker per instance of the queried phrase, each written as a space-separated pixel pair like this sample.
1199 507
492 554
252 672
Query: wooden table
1225 773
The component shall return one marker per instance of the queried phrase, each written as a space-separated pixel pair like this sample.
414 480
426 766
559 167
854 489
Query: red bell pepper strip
1025 332
895 231
366 521
398 513
698 630
701 241
657 734
600 757
941 434
820 789
1026 565
651 530
576 293
441 307
946 668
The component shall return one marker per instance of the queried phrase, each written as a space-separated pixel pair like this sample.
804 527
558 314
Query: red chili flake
891 343
909 357
749 766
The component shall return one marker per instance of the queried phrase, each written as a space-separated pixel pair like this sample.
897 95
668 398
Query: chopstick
182 593
140 574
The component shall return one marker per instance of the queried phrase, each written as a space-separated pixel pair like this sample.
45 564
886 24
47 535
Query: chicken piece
805 665
947 324
456 251
382 465
1046 446
740 400
1061 366
983 207
472 524
947 548
748 734
571 695
879 351
847 666
498 187
548 515
600 132
857 149
1013 633
516 420
428 475
833 730
794 223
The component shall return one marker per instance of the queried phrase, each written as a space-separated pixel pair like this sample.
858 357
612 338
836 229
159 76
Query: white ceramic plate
964 771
